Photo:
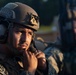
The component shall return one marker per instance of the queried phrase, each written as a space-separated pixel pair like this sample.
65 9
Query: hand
29 61
41 60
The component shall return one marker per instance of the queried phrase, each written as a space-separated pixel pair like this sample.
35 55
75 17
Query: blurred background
48 11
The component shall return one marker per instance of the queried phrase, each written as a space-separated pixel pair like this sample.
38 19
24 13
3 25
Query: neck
4 49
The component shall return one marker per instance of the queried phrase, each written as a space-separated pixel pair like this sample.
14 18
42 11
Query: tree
46 9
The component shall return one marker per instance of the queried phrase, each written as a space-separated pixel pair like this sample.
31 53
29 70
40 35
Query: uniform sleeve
27 73
3 70
55 60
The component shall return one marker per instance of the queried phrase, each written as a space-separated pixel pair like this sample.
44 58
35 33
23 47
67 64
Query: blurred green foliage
45 28
46 9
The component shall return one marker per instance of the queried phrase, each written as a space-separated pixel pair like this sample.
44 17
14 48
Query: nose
24 37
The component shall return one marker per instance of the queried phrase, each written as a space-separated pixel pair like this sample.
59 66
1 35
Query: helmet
21 13
17 13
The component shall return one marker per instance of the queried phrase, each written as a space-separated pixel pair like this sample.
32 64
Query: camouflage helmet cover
21 13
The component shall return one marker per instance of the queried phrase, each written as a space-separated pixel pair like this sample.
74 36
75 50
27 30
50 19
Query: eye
21 31
31 33
18 31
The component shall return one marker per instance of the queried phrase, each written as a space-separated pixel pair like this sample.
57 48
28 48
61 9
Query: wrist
45 69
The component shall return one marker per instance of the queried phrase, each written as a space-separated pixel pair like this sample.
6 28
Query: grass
45 28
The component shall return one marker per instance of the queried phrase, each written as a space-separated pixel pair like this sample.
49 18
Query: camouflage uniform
62 63
11 66
11 15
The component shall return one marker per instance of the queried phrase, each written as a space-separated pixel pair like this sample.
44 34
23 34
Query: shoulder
54 57
40 43
53 51
3 70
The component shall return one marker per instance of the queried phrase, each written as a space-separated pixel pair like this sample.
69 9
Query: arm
55 60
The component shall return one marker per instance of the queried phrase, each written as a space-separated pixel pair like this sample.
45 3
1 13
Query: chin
22 49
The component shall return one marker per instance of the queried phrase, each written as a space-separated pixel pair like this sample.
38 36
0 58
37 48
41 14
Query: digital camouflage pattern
3 71
11 66
62 63
55 58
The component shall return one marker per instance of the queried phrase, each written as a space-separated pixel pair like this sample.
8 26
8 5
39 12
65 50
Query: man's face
21 38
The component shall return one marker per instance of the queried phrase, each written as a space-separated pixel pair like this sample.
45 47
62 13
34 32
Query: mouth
23 45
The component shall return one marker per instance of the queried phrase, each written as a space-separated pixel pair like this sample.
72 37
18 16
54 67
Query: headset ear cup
2 30
3 33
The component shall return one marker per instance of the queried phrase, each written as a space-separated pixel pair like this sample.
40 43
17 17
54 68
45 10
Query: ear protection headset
4 27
